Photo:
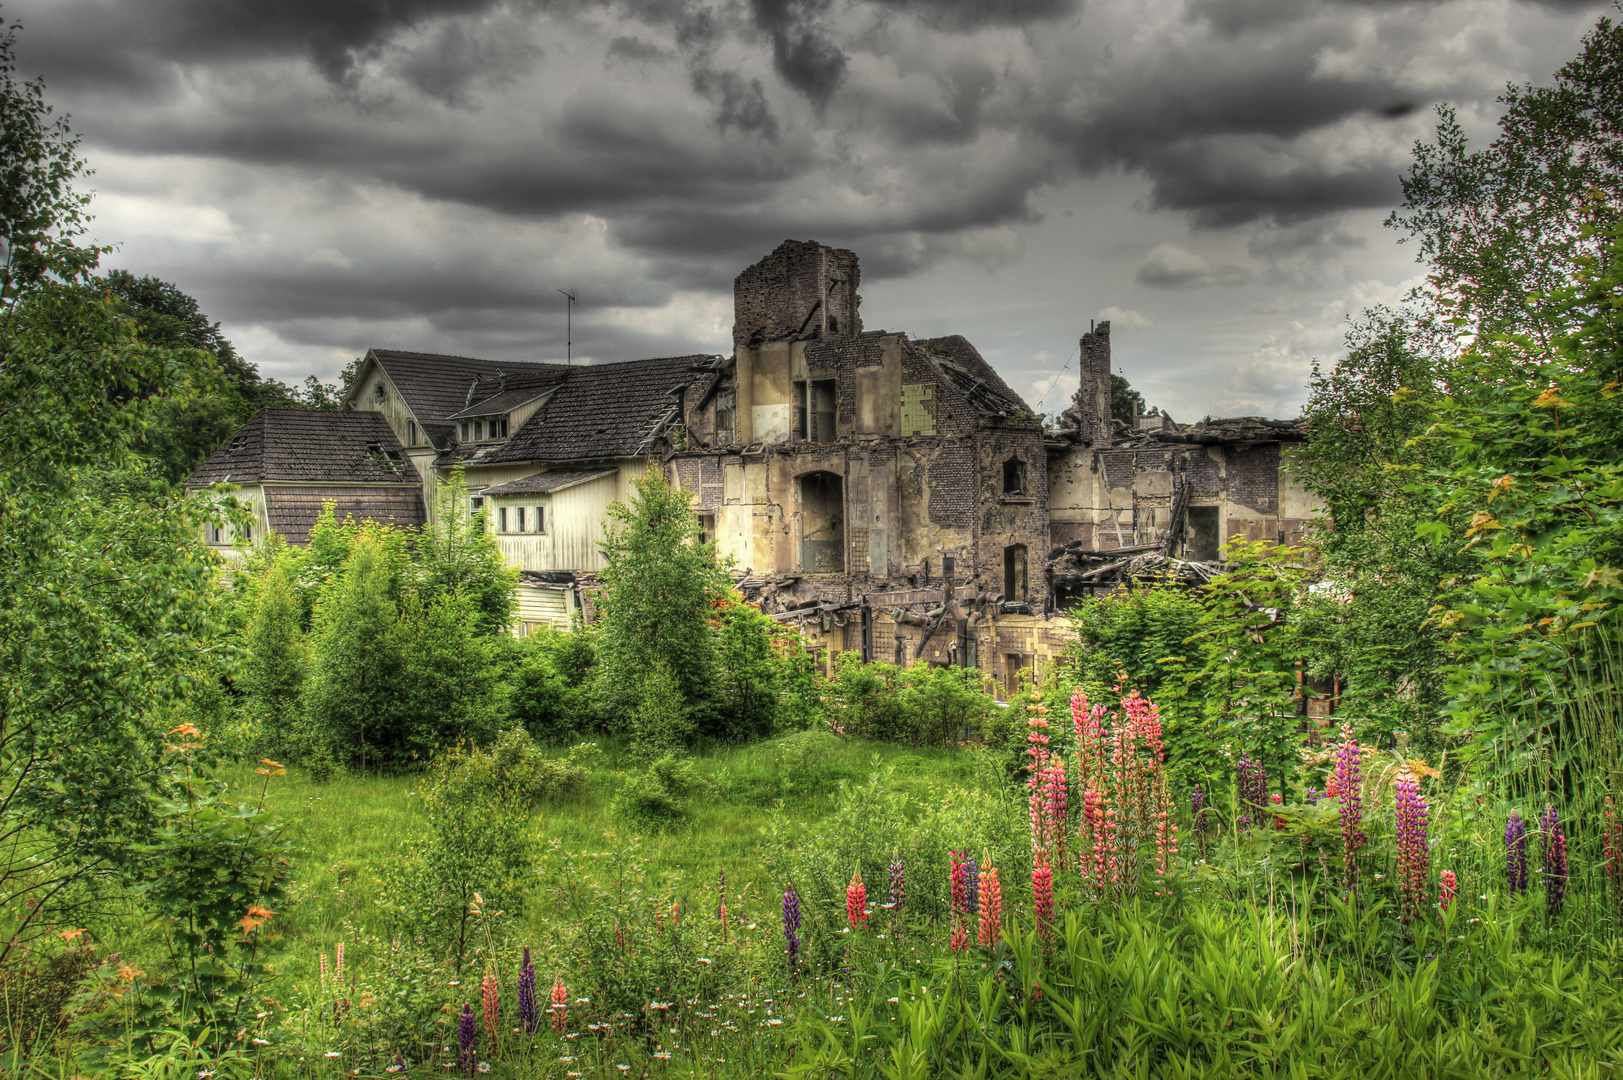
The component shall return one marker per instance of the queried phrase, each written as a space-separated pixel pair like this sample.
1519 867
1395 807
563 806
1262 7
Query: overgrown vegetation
1153 863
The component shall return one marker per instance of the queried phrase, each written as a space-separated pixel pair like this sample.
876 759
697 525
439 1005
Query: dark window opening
462 431
1014 573
707 528
822 527
822 410
947 562
503 423
1014 477
726 408
411 433
800 410
540 519
521 519
238 442
501 519
476 505
1201 538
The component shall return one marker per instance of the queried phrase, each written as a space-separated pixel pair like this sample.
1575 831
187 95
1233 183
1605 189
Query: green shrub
518 764
550 693
658 796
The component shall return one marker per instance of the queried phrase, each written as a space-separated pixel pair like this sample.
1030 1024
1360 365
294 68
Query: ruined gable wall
801 288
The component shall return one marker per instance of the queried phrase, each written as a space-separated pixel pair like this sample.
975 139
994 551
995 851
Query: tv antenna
571 298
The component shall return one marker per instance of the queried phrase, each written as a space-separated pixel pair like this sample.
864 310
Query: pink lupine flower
856 902
1447 890
338 964
1042 896
1414 855
324 972
959 880
560 1004
991 928
1349 789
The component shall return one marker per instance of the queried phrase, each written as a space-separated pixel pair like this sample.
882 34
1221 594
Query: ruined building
889 495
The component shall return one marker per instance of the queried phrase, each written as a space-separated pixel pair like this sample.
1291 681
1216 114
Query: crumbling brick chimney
1094 400
801 290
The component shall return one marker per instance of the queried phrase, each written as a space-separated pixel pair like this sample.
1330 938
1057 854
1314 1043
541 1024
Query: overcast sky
1211 175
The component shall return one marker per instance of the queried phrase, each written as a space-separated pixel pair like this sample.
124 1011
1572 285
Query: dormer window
483 429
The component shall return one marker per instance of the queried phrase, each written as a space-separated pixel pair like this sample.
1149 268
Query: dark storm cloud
802 53
128 41
971 14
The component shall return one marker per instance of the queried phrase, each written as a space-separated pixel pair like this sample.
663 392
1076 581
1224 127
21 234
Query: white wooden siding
542 606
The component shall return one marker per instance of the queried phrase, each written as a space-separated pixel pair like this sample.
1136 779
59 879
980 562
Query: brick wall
801 289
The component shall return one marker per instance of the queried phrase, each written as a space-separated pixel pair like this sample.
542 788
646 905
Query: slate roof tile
310 446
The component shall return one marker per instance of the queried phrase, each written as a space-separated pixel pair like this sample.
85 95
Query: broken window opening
947 562
801 431
1014 477
1201 537
238 442
726 409
502 423
476 506
1014 572
707 528
822 525
822 411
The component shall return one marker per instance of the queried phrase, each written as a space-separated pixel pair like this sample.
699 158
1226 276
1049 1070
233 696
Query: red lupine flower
959 880
1447 890
491 993
991 908
856 902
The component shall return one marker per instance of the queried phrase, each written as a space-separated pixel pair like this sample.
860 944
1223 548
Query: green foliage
1505 227
105 606
1248 648
659 588
214 869
468 868
865 700
355 661
273 663
447 688
761 672
551 694
1126 404
457 554
661 721
1533 484
657 796
519 765
947 705
1143 633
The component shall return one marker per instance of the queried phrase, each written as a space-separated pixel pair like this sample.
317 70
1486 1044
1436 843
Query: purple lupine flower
972 898
1350 791
528 1011
468 1039
1197 803
1253 784
898 884
791 924
1197 812
1516 853
1414 856
1312 796
1555 860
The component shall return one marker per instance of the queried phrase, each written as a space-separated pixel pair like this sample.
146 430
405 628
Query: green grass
346 829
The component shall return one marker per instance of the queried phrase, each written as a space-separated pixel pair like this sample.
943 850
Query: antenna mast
570 300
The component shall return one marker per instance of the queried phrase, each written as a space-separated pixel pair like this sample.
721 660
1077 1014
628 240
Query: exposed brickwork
802 289
1253 477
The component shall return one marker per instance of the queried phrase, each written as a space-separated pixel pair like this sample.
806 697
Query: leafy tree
1504 227
550 693
661 720
355 662
447 689
1143 633
105 609
659 588
1126 404
945 704
273 664
458 554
